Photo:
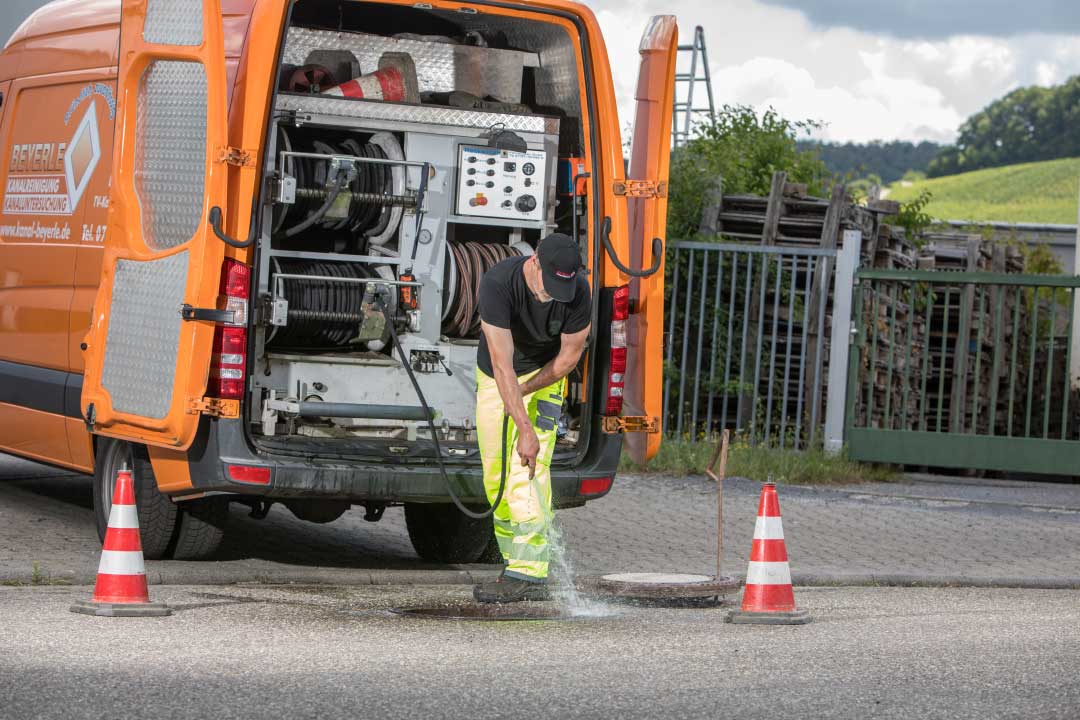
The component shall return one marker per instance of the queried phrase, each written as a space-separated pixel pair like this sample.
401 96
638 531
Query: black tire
157 513
440 533
201 528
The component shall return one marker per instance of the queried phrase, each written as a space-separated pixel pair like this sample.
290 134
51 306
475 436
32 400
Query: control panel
502 184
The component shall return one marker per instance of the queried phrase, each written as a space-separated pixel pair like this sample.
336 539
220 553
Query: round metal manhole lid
510 611
652 586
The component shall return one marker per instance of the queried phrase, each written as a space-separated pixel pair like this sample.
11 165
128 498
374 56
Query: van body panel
74 44
650 157
151 260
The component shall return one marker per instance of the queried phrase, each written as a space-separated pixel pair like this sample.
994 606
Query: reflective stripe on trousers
521 519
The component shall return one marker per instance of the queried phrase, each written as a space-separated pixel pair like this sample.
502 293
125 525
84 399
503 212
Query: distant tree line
885 162
1031 124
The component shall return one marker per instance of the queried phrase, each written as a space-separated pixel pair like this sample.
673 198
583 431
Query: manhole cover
512 611
648 586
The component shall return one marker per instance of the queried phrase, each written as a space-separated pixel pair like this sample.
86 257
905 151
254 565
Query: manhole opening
512 611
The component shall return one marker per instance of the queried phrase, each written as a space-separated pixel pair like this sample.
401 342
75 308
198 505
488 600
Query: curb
473 575
267 576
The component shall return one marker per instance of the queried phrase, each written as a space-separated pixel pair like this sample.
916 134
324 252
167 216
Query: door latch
613 425
207 314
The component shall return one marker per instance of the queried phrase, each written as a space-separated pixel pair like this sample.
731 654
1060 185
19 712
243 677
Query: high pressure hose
339 185
435 436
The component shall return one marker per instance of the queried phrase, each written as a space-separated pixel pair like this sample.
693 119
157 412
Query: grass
809 467
1044 192
36 578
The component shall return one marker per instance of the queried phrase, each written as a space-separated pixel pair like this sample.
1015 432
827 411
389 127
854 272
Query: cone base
103 609
746 617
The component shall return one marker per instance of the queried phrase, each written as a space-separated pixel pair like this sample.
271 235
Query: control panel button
528 168
491 172
489 184
528 182
508 189
509 167
525 203
472 171
508 203
491 161
470 183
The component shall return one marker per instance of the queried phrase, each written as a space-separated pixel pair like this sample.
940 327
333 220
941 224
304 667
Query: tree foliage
745 149
887 161
1027 125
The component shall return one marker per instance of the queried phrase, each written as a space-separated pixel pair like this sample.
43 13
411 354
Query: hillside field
1044 192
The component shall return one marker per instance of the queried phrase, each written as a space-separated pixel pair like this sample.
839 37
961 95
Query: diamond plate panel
440 67
427 114
174 22
556 74
170 151
144 332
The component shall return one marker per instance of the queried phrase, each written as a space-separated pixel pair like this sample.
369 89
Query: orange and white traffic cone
768 597
121 589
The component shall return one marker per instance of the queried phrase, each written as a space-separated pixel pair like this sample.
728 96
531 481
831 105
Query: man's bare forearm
512 398
555 370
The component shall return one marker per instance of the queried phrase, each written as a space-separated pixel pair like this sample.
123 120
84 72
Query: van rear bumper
220 443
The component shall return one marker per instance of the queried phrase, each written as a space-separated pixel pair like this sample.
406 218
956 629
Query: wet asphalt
267 651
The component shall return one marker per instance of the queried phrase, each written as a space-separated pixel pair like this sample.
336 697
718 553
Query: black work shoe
509 589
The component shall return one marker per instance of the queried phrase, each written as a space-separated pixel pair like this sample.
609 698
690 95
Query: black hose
435 437
339 185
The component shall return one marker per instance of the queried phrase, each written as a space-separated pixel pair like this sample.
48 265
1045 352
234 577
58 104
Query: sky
885 69
896 70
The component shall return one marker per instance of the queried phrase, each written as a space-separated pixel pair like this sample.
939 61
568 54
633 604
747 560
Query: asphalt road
259 651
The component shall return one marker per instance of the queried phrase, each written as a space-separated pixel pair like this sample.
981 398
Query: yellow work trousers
523 515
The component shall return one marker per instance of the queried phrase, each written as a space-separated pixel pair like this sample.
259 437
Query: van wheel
201 528
440 533
157 513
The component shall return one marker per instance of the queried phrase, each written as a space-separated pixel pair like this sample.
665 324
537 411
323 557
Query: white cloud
864 86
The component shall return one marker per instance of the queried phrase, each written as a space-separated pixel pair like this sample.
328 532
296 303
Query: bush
744 149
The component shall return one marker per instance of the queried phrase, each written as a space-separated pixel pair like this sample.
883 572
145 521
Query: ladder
684 111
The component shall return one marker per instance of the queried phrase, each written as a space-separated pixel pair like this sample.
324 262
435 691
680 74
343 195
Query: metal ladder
682 117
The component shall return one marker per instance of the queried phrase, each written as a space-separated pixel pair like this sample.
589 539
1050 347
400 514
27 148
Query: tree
1031 124
744 149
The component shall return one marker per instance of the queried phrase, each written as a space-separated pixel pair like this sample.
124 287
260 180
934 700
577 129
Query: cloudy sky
885 69
902 69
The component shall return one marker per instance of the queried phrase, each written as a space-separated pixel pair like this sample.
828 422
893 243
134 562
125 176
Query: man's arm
561 365
501 349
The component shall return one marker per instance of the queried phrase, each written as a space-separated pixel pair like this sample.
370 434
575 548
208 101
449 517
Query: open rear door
650 156
146 365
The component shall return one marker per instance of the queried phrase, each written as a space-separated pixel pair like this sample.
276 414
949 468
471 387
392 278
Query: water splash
566 593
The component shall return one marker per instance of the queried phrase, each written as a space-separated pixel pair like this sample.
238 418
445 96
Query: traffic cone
768 597
121 589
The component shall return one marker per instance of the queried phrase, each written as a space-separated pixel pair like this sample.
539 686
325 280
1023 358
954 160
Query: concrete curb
210 575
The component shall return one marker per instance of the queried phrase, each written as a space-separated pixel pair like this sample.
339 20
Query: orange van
215 212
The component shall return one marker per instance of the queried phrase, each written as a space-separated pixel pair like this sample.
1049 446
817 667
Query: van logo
83 154
50 178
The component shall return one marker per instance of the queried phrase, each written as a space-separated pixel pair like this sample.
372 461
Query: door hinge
216 407
236 156
639 188
613 425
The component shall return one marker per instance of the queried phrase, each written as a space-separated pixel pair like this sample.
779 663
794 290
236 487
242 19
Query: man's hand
528 447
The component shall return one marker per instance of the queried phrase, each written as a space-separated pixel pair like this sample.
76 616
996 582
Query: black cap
560 260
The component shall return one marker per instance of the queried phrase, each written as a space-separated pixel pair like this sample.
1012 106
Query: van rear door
146 365
650 156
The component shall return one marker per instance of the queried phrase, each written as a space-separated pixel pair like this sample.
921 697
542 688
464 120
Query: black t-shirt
507 302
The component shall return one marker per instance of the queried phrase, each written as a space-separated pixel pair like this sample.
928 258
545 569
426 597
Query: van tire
201 528
157 513
440 533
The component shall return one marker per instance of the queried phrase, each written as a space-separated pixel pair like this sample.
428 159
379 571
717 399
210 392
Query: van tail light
229 362
620 313
595 486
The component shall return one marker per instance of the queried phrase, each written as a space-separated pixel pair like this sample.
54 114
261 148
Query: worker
535 316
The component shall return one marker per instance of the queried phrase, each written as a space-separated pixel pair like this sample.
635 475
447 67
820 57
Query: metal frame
766 293
1009 405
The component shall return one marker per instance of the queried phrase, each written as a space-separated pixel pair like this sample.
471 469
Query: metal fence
966 370
746 342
